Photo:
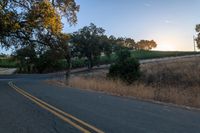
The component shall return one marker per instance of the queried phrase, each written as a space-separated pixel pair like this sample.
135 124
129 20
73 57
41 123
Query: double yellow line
68 118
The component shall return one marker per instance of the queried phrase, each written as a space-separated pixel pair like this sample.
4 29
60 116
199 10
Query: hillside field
78 63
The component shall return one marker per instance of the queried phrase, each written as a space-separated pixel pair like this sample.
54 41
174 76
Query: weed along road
30 105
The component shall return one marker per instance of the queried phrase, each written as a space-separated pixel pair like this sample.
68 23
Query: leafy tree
32 60
114 43
146 44
198 35
87 42
120 42
130 43
47 62
125 43
125 68
27 21
33 22
122 55
106 45
26 59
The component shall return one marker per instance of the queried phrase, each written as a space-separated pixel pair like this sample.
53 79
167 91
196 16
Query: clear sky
170 23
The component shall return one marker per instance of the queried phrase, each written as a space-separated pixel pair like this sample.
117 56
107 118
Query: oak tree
87 42
36 22
198 35
146 44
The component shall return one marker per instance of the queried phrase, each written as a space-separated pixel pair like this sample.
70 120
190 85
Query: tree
38 23
114 43
130 43
146 44
106 45
31 60
125 68
26 21
120 42
125 43
87 42
26 59
198 35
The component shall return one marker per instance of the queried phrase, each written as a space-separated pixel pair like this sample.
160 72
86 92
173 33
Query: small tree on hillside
146 45
125 68
130 43
106 45
198 35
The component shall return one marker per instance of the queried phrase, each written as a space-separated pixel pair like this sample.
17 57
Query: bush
8 63
77 63
125 68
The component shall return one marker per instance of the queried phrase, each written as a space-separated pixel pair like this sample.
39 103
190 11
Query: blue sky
170 23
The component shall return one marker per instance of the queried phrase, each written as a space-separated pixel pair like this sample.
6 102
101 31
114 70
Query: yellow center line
61 114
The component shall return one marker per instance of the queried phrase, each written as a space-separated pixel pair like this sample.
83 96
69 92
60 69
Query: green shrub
125 68
78 63
7 63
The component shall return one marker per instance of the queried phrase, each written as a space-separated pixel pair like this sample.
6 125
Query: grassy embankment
6 62
78 63
175 82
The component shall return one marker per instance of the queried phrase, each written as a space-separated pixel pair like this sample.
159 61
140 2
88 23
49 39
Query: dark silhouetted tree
125 67
87 42
146 45
198 35
36 22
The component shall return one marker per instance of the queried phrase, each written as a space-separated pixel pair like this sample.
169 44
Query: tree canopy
198 35
35 26
87 42
26 22
146 44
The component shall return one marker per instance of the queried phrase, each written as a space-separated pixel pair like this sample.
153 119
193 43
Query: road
29 105
7 71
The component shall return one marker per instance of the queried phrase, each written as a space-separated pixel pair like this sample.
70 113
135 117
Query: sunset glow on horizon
170 23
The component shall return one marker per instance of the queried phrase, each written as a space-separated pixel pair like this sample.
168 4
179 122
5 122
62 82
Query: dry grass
182 73
174 82
111 87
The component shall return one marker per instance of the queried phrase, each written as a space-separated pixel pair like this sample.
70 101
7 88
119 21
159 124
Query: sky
171 23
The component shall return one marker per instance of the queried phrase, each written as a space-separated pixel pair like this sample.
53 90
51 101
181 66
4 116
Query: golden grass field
175 82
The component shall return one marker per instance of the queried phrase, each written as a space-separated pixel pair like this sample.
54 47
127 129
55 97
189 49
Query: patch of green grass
78 63
159 54
7 63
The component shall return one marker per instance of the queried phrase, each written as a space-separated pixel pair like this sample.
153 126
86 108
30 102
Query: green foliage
142 54
123 55
30 61
25 22
8 63
35 28
88 44
146 45
78 63
61 64
129 43
125 68
198 35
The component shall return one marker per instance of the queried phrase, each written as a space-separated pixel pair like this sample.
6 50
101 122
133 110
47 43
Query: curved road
29 105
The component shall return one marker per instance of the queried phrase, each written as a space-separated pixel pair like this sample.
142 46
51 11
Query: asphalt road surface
29 105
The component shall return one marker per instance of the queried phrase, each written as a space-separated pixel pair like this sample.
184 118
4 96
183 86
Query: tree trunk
90 62
67 74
